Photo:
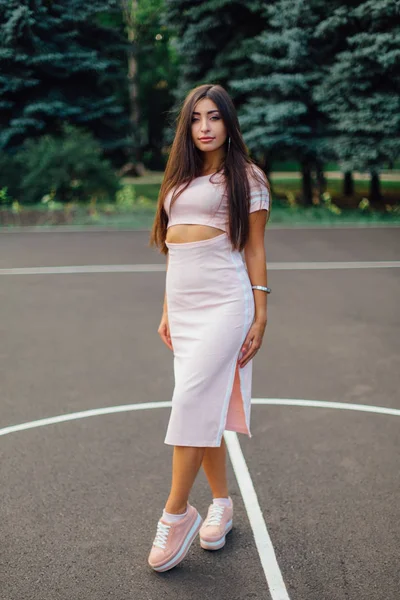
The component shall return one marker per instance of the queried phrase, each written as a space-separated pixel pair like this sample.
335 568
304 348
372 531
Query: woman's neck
214 163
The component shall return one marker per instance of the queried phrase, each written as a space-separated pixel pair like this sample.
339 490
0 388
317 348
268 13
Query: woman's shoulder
259 188
255 174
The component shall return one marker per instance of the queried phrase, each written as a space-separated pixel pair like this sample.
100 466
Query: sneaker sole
184 548
217 544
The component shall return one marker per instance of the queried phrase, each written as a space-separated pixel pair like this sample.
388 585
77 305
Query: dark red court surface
80 499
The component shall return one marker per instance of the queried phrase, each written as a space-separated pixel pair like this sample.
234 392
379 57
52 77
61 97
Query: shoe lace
215 514
161 535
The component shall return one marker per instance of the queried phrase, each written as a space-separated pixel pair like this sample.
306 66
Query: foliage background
89 93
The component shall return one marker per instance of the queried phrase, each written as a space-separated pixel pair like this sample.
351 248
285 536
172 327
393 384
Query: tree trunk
267 167
132 85
375 195
348 184
264 163
321 179
134 165
307 187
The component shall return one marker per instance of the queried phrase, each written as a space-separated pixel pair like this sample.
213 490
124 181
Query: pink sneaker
215 527
173 540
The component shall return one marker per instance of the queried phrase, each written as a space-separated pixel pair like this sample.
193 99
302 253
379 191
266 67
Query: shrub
70 167
10 176
5 198
125 198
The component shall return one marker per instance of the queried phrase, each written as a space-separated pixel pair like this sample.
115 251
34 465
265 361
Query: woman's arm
165 306
163 329
254 254
256 262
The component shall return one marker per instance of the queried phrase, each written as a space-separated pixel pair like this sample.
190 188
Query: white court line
108 410
167 404
263 542
380 410
264 545
154 268
144 268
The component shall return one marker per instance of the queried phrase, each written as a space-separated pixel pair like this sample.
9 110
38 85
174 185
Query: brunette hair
185 163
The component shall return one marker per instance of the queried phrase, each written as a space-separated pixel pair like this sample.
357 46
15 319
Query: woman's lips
204 140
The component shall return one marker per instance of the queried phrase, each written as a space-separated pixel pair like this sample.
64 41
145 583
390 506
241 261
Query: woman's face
208 129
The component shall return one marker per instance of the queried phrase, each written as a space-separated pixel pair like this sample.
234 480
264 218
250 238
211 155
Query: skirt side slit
210 310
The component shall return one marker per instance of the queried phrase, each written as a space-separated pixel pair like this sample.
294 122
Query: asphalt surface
80 500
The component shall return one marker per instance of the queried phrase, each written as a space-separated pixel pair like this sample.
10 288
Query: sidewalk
388 176
156 177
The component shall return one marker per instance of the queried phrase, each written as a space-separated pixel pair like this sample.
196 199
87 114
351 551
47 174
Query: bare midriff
181 234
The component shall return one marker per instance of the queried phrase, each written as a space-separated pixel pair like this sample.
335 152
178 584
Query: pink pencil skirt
210 310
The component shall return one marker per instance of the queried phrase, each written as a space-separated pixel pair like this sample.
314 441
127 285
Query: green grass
140 214
149 187
320 215
291 165
334 185
141 217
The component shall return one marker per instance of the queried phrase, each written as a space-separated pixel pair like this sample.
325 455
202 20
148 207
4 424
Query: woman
213 204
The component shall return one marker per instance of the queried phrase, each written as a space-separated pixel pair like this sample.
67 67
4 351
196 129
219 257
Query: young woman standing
213 208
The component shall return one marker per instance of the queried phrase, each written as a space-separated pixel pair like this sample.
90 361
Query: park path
392 176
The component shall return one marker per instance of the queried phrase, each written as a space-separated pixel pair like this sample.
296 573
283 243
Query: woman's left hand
252 342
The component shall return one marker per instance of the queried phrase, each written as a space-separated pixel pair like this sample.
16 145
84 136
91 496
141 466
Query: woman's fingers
168 337
249 350
165 339
165 335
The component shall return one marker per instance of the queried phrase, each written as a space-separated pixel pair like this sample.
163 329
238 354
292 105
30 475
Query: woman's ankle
220 494
175 508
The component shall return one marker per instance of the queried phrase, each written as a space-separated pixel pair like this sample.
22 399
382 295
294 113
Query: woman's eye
212 119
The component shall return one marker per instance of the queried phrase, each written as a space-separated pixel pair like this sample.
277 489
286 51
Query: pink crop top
205 203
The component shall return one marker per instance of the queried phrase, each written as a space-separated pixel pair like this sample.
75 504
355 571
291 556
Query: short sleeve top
204 202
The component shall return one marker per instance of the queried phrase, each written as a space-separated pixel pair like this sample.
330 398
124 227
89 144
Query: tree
360 91
209 37
152 74
60 62
265 55
280 117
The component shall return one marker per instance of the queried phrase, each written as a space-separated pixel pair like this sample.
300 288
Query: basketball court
86 385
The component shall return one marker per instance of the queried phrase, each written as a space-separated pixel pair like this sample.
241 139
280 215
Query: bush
69 167
5 198
10 176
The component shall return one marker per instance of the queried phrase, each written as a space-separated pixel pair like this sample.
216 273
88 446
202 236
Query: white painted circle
275 583
151 405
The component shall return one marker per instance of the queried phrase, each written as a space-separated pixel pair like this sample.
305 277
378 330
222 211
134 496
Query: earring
229 143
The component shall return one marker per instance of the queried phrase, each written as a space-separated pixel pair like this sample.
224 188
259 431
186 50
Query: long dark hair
185 163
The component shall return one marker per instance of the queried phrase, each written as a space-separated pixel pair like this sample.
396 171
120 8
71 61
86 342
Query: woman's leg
214 465
186 463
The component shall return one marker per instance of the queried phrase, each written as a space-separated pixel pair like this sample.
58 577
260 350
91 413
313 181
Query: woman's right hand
164 332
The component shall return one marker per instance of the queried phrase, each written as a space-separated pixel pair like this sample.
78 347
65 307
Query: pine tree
360 92
280 118
262 53
61 62
209 37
